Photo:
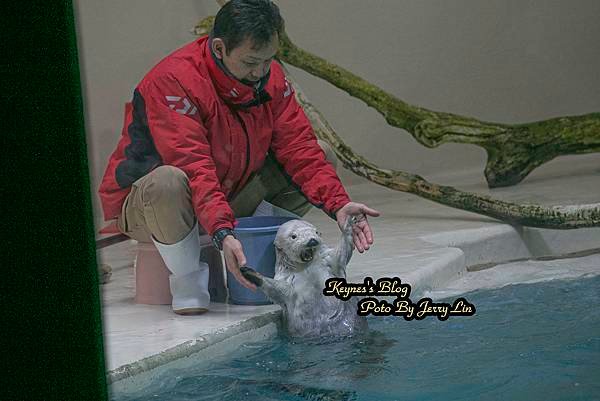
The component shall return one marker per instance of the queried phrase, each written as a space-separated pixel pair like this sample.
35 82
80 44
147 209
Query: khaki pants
160 203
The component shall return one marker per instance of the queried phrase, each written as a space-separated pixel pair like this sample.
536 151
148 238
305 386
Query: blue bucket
256 235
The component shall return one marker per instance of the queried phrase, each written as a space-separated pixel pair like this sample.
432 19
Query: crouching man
212 130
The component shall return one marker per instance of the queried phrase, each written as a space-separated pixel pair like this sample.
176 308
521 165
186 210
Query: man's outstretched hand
361 232
234 259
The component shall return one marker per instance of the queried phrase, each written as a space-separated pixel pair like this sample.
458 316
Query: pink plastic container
151 276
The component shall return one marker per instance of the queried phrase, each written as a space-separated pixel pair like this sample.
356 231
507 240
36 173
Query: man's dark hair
257 20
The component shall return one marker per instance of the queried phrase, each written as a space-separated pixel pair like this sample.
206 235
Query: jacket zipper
237 116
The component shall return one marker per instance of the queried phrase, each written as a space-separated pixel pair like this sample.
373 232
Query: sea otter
303 264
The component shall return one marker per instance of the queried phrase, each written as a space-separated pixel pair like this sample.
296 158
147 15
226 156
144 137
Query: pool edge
467 247
129 377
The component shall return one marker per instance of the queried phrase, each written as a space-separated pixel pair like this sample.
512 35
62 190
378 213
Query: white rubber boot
189 275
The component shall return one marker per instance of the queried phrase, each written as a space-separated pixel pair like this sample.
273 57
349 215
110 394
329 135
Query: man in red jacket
212 130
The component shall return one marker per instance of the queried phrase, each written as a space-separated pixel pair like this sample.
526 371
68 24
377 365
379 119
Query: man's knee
167 204
329 153
166 182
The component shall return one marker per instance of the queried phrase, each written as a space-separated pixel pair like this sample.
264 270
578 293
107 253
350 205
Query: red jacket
186 112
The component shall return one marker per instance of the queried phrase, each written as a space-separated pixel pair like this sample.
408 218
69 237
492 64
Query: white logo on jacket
288 89
187 107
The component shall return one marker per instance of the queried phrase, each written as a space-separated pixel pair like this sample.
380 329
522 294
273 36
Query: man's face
245 61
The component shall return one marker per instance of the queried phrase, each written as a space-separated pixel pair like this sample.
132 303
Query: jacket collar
234 92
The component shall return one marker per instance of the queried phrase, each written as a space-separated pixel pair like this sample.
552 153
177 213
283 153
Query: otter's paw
350 221
252 275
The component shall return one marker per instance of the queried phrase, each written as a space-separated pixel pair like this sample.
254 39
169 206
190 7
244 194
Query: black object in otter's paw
251 275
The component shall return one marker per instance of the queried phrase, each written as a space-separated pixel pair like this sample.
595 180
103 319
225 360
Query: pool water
526 342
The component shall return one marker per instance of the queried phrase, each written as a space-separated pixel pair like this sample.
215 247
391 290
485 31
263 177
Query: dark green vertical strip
51 325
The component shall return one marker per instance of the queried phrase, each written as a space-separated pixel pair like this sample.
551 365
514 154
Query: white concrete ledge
504 243
137 375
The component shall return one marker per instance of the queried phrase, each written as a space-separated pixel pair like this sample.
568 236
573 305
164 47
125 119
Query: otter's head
297 243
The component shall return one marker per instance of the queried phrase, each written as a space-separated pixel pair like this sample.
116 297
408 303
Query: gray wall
504 61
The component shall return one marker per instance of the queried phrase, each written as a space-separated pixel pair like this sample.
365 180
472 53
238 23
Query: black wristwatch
219 236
